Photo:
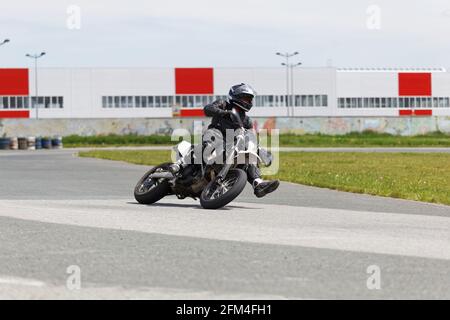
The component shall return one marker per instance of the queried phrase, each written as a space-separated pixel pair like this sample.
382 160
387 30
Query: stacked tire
30 143
4 143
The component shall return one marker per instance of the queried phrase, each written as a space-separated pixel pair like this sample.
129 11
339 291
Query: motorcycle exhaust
165 175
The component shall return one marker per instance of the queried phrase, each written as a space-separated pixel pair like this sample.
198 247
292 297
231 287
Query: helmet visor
247 98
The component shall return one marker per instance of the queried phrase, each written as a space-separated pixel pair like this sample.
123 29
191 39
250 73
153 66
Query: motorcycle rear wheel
216 194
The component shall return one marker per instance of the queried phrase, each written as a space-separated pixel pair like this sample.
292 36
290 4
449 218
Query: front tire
148 191
216 195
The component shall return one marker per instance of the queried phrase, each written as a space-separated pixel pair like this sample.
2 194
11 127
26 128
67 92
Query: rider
240 97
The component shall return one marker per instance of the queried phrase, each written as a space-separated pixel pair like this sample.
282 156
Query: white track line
360 231
21 282
18 290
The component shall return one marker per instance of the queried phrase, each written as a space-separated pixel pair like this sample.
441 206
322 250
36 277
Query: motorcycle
216 183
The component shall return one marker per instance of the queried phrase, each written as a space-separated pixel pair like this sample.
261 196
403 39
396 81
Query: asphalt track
58 210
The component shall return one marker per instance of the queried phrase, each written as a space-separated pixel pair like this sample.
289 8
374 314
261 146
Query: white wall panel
367 84
441 84
224 78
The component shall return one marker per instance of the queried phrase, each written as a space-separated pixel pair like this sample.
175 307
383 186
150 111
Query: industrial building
78 93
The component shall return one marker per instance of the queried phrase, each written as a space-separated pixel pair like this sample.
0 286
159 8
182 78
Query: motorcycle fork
229 162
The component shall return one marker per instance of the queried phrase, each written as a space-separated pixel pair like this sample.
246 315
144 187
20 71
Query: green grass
74 141
414 176
364 139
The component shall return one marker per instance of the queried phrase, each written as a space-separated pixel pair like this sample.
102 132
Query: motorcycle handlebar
236 117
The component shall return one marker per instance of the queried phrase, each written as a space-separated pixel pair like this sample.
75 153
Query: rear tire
208 202
158 188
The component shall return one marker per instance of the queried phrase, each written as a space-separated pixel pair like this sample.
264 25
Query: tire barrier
4 143
46 143
57 143
23 143
14 143
38 143
30 143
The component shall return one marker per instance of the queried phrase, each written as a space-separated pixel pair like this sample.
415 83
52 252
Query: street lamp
35 57
4 42
287 56
292 66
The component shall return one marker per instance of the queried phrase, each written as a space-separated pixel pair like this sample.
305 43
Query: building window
389 102
198 101
5 103
190 102
435 102
137 101
164 102
157 102
304 101
12 102
60 102
258 101
317 101
21 102
324 100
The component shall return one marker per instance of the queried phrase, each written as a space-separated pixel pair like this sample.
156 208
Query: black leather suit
221 121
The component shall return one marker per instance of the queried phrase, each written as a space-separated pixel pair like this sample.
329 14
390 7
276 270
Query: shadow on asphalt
181 205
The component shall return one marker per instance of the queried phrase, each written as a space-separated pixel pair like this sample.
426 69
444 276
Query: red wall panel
414 84
14 114
192 112
194 80
423 112
416 112
14 82
405 112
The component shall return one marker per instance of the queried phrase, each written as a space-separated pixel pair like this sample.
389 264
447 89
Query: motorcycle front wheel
150 190
218 194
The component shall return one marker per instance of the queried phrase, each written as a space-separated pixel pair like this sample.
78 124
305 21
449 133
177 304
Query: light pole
287 56
292 66
4 42
35 57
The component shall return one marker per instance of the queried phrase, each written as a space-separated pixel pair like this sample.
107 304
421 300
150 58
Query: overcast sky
241 33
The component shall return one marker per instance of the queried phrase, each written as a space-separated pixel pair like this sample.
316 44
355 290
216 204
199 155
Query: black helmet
242 95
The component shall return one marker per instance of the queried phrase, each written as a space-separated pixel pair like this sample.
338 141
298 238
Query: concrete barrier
299 125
